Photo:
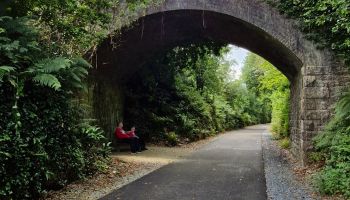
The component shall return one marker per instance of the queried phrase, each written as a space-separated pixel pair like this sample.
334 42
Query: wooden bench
122 145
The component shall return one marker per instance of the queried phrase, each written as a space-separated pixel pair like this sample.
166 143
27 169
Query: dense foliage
334 144
328 23
181 91
74 26
188 91
271 90
45 142
325 21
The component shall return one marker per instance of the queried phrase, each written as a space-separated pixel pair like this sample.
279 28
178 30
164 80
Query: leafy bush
42 144
96 148
334 179
280 113
315 156
284 143
49 150
334 144
172 139
325 21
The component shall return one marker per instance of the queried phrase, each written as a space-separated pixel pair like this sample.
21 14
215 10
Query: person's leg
132 144
142 144
136 146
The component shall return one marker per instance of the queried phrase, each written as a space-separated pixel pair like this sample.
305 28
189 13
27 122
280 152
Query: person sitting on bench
121 135
141 142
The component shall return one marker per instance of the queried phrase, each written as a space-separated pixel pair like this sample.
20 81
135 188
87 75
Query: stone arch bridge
316 76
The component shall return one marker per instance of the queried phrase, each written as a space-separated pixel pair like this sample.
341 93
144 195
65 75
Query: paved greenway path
230 167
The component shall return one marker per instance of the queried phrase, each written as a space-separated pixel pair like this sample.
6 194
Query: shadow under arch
154 33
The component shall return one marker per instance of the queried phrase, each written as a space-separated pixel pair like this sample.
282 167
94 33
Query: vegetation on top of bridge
327 22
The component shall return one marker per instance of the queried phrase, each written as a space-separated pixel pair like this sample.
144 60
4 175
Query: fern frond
4 71
77 85
52 65
343 106
77 73
81 62
47 80
75 77
81 71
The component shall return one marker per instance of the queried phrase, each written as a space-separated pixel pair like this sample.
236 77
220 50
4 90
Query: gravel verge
281 182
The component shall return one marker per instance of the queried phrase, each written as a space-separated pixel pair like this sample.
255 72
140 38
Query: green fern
343 106
82 63
77 73
80 71
47 80
4 71
51 65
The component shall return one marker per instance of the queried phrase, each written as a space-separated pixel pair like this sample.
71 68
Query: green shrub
326 22
172 139
334 144
275 135
43 145
280 113
284 143
315 156
50 150
96 148
334 179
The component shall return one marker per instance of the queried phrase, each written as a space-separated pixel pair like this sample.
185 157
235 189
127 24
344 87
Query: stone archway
316 77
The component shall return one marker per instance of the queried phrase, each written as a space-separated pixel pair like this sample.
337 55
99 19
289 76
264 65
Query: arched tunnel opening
152 34
121 57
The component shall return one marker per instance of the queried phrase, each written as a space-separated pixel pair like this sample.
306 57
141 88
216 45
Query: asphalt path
230 167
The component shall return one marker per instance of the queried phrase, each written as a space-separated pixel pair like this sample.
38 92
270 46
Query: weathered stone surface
316 92
310 125
309 104
310 81
317 79
322 104
317 70
316 114
315 104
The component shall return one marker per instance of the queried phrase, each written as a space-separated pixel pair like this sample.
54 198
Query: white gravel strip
281 183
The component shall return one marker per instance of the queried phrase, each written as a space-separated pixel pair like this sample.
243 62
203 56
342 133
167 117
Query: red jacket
120 133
